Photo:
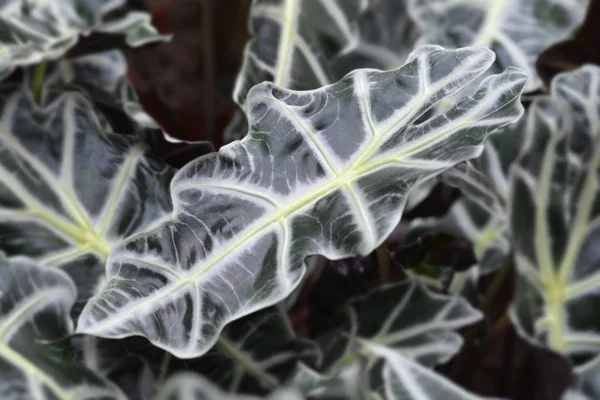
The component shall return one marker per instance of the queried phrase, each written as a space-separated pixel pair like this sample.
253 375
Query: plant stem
38 81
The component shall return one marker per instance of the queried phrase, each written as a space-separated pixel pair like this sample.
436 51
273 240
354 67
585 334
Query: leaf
411 320
34 31
406 379
189 386
34 307
295 42
554 218
517 30
386 36
587 381
321 172
255 354
70 189
482 214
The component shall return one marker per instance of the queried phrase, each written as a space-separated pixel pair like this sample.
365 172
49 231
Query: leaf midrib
346 178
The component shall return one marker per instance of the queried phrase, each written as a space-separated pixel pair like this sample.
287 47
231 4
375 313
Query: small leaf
321 172
39 31
34 307
406 379
517 30
555 216
70 189
411 320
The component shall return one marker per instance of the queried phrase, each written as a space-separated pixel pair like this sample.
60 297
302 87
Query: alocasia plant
48 209
321 171
34 307
517 30
554 217
186 282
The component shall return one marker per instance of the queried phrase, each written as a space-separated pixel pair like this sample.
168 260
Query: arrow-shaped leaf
555 218
324 171
411 320
70 189
294 46
34 306
517 30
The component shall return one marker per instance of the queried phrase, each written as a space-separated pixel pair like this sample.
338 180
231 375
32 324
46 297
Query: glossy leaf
517 30
406 379
323 171
70 189
33 31
554 218
409 319
34 307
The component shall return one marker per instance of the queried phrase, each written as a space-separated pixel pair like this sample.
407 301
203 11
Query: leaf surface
70 188
517 30
295 42
34 306
554 211
406 379
36 31
321 172
411 320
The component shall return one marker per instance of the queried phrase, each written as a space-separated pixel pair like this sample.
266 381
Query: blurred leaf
517 30
554 215
34 308
32 31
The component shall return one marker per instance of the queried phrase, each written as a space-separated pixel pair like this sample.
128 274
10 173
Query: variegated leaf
406 379
408 318
294 46
517 30
555 217
34 31
481 215
106 71
321 172
386 36
295 42
70 189
255 354
34 307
